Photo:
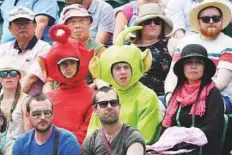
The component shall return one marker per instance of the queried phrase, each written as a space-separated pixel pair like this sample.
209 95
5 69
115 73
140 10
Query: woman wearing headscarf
194 117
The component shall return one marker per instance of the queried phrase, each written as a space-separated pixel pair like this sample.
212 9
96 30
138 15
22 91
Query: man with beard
45 138
209 18
115 137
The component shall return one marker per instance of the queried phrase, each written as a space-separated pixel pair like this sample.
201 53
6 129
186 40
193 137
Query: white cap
21 12
68 58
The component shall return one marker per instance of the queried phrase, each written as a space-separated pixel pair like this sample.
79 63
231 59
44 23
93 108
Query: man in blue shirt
45 138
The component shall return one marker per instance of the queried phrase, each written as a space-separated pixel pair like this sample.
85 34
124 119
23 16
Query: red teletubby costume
72 100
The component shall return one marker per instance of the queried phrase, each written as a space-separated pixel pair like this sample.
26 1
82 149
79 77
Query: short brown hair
38 97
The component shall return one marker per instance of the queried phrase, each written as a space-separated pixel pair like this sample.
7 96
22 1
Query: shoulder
66 135
25 138
93 44
89 141
102 5
133 135
42 43
7 45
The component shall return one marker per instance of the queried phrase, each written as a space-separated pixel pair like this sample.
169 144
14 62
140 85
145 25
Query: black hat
195 50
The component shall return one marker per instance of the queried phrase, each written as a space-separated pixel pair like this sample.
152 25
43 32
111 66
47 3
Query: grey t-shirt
94 145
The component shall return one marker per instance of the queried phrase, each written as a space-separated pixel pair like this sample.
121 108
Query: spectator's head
209 18
121 65
106 105
39 109
194 65
68 59
78 19
69 67
155 24
10 73
121 72
22 23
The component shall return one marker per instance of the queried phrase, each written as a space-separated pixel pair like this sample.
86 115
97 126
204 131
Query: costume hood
139 61
65 48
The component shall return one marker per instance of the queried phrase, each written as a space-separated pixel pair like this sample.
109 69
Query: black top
211 123
161 61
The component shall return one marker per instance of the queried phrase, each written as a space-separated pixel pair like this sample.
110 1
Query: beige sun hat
193 16
11 63
153 10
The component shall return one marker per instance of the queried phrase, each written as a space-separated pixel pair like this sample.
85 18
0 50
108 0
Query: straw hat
226 13
11 63
195 50
151 11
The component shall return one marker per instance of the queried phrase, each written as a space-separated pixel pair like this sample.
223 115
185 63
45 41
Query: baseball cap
21 12
74 10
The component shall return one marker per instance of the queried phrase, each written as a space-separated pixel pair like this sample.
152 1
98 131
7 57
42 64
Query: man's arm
86 148
175 11
136 148
17 150
103 37
68 144
120 22
31 81
170 83
223 78
106 25
42 22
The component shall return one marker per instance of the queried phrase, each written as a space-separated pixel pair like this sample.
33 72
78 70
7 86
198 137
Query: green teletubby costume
139 104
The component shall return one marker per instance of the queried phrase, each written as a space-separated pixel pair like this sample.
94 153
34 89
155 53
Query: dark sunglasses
104 104
38 114
157 21
206 19
12 73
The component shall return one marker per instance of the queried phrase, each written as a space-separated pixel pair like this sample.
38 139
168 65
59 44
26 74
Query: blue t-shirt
26 144
39 7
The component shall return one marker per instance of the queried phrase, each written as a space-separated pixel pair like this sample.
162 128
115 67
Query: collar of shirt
31 44
93 6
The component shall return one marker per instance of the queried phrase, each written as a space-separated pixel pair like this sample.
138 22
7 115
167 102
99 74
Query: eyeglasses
12 73
104 104
206 19
157 21
38 114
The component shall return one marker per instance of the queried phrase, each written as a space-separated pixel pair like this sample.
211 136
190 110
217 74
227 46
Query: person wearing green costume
122 66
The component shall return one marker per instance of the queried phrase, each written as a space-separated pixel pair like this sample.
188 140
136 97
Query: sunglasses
38 114
156 21
104 104
12 73
206 19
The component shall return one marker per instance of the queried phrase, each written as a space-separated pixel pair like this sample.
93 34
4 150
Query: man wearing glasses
115 137
45 138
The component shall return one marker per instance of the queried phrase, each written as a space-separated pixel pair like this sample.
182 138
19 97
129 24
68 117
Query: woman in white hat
154 35
11 98
196 105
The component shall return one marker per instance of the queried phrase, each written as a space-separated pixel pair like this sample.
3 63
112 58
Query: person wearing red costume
67 62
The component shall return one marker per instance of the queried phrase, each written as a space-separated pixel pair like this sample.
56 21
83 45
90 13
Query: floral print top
161 61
